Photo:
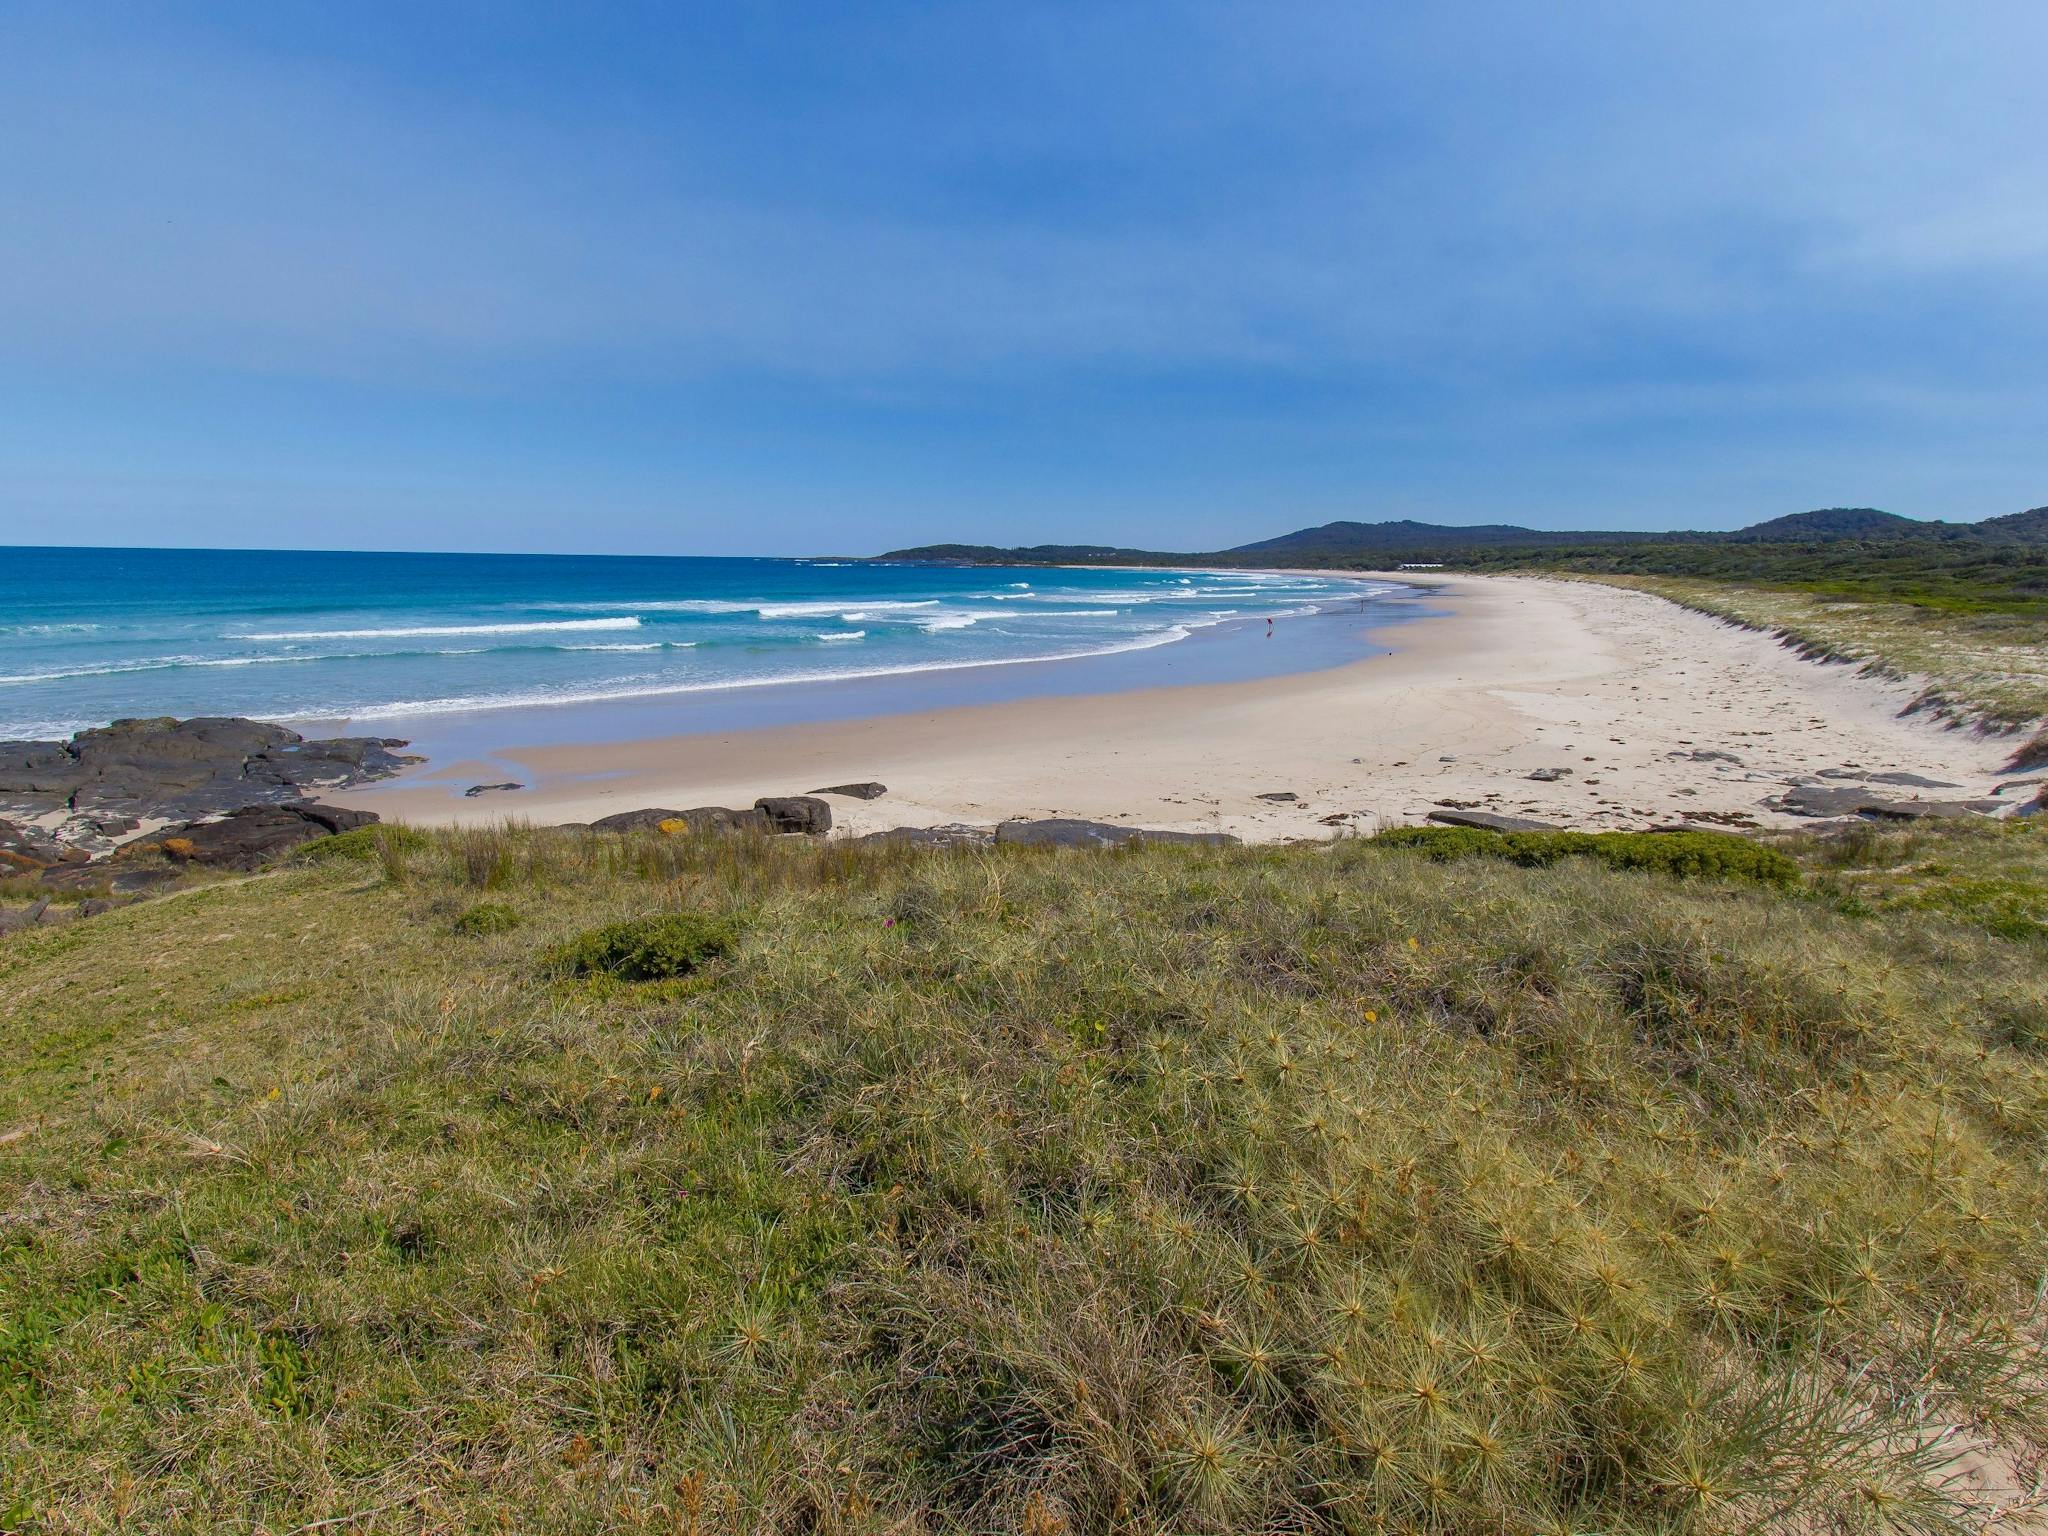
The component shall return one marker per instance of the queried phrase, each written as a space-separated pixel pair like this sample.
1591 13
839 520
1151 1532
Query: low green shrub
363 843
488 917
645 948
1708 855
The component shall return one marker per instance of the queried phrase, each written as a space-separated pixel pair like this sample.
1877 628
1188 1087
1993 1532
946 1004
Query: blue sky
755 278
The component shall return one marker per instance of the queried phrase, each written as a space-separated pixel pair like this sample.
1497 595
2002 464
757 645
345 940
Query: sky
744 278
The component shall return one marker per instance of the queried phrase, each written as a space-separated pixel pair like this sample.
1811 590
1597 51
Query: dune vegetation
552 1181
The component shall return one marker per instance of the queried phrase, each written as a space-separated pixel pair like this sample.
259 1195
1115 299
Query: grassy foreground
1320 1189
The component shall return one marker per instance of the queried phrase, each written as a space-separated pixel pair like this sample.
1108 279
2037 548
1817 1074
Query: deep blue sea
90 635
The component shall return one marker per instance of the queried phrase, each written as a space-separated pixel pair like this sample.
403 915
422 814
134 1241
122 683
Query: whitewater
88 636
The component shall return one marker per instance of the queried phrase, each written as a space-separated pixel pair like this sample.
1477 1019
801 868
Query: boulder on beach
795 813
1488 821
953 835
866 790
697 820
1856 800
1907 780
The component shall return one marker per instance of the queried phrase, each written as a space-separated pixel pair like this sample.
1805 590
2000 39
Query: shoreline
1511 675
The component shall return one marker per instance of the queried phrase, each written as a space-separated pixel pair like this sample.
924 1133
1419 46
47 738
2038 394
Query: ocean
91 635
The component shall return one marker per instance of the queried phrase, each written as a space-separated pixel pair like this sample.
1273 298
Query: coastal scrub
1180 1189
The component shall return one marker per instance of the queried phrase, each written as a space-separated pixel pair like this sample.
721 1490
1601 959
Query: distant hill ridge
1407 539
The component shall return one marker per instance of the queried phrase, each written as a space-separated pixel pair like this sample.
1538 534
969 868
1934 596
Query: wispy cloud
1286 220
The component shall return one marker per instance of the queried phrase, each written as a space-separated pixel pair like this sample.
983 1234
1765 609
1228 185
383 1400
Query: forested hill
2000 563
1407 539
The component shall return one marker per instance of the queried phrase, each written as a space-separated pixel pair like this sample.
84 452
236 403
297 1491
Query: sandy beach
1518 674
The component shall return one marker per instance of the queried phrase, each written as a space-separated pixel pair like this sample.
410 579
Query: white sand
1523 673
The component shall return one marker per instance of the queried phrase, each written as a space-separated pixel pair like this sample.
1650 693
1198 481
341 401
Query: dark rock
246 838
1070 832
795 813
15 919
140 879
327 764
635 821
1857 801
1702 755
122 878
44 768
955 835
864 791
701 819
2018 784
1910 780
184 768
1549 775
484 789
1488 821
1279 796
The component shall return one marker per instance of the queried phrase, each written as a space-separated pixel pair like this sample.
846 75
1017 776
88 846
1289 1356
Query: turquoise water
401 640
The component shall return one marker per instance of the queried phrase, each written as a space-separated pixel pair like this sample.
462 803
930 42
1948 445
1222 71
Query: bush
363 843
488 917
1707 855
645 948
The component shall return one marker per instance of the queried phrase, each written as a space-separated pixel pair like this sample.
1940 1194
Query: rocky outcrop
1859 800
699 819
1488 821
184 769
30 850
233 793
955 835
1548 775
1069 832
485 789
244 839
867 790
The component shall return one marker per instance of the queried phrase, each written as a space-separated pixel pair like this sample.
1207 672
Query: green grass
1309 1189
1711 855
1993 875
659 948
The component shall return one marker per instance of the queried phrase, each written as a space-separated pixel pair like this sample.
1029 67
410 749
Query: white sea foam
845 634
421 630
148 664
406 708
